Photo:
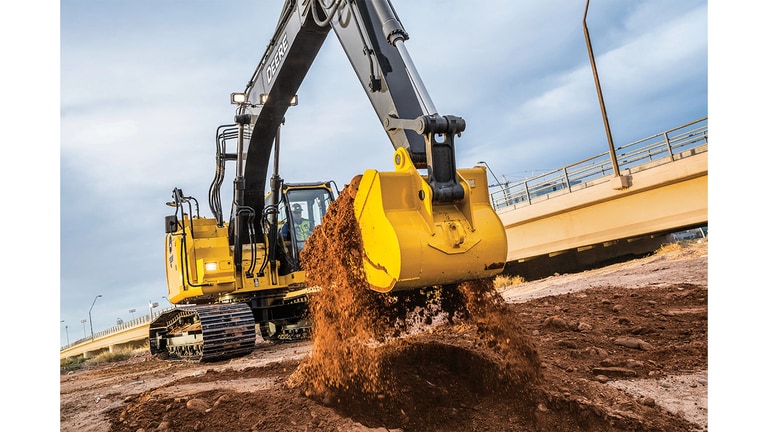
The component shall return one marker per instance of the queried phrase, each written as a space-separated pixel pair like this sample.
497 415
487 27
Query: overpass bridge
584 213
567 217
131 334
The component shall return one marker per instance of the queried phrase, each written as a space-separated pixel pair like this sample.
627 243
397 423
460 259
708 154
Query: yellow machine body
201 265
410 242
222 303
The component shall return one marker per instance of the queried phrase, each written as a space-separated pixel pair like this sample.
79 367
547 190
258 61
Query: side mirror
171 224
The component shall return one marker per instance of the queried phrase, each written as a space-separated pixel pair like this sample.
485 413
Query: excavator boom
418 229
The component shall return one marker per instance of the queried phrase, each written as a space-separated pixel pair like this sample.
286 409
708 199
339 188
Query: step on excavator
425 224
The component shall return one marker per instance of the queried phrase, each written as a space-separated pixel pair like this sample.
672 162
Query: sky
145 84
128 95
142 94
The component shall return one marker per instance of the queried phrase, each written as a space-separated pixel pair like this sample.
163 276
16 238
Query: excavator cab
301 209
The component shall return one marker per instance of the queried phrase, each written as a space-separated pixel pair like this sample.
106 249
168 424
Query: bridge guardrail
668 146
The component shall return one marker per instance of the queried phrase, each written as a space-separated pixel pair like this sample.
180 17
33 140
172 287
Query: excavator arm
374 40
418 230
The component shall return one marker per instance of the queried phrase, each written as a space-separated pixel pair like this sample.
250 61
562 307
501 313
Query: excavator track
204 333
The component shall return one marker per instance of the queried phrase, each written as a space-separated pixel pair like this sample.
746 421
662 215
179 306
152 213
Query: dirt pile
363 358
346 316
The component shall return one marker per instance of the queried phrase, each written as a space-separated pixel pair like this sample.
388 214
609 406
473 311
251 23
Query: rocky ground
621 348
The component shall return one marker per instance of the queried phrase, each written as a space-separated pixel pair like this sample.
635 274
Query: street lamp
152 306
498 183
133 313
611 148
89 314
66 329
83 321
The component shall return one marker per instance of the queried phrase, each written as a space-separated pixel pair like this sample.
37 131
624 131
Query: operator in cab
301 227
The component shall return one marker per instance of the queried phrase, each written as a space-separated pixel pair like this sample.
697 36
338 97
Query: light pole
608 134
89 314
152 306
83 321
133 313
66 329
498 183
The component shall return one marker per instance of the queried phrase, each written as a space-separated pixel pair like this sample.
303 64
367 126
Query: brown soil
622 348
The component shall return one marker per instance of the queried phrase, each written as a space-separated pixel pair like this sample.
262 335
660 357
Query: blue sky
128 95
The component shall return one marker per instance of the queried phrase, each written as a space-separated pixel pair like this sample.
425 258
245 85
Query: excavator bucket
410 242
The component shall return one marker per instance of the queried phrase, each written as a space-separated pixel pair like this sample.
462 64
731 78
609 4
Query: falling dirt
358 357
347 317
583 352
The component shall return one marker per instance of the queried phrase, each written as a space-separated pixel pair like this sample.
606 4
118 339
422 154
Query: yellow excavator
424 224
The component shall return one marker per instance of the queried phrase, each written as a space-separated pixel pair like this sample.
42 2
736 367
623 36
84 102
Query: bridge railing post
527 192
669 146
